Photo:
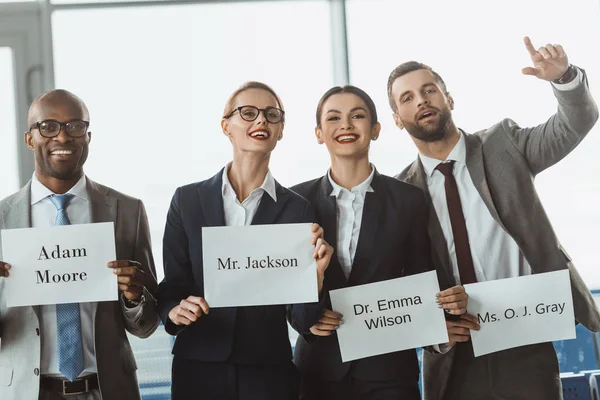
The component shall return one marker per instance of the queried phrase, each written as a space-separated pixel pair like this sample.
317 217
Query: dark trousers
197 380
522 373
351 388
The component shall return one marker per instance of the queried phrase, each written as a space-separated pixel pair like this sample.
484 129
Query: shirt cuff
571 85
442 348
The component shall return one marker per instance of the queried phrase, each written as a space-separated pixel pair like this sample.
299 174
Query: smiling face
253 136
61 157
345 126
422 105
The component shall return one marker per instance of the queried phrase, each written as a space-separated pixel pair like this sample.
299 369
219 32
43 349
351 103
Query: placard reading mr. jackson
259 265
59 264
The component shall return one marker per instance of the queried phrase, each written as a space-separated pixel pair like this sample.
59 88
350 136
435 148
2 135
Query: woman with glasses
242 352
379 227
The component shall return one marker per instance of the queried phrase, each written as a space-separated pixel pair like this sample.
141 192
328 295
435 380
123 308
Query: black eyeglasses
250 113
50 128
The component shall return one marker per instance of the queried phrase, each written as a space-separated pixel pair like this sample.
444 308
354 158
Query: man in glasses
78 350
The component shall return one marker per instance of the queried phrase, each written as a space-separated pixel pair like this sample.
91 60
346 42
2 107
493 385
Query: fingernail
109 264
440 305
337 327
437 300
438 294
446 310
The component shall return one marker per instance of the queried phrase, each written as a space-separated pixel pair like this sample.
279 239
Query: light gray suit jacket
20 347
503 162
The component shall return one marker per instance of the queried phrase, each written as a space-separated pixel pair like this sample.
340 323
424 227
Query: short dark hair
348 89
404 69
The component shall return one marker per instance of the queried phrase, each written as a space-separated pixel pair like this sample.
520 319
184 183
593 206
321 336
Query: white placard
59 264
389 316
259 265
519 311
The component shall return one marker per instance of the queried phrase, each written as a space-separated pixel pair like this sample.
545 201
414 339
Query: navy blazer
393 242
256 334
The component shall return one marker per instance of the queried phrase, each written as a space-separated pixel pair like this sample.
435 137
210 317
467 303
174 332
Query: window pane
9 175
477 48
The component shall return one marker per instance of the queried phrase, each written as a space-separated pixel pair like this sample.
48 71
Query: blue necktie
68 320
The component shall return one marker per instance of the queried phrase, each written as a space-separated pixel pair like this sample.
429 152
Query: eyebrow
422 87
339 112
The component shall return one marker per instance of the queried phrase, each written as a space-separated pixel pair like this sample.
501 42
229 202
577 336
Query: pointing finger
529 46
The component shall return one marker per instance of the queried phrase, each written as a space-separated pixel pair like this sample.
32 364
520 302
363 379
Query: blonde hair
230 104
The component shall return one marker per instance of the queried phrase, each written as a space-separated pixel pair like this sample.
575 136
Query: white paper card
389 316
60 264
259 265
519 311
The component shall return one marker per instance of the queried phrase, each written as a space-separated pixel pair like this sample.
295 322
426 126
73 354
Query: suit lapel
18 215
476 168
418 177
365 256
210 196
327 217
103 208
269 209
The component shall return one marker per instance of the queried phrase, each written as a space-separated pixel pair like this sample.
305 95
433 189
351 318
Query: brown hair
348 89
404 69
230 104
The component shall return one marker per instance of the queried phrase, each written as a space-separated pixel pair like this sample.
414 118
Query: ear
89 134
375 131
225 127
280 136
398 121
29 140
450 100
319 135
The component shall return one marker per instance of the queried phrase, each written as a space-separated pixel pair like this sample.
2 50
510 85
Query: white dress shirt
495 253
350 205
43 214
240 214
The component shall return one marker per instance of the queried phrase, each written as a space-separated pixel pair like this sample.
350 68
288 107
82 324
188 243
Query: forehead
60 110
341 101
413 81
256 97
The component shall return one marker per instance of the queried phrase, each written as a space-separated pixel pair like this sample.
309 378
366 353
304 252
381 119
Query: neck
350 172
247 172
58 186
440 149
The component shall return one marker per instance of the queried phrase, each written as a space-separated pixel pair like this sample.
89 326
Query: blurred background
156 74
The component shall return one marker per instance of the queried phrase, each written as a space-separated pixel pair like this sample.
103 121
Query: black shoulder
308 189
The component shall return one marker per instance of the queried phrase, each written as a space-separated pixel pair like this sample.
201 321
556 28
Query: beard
60 170
431 132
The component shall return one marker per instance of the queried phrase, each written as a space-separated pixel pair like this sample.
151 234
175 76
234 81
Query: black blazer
252 335
393 242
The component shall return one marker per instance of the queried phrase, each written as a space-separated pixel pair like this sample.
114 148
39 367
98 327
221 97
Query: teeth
346 138
62 152
259 134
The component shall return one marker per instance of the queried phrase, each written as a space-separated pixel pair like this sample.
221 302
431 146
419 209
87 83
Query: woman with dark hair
378 226
234 353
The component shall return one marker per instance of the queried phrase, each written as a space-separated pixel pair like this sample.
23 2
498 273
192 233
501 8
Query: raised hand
328 323
549 62
323 252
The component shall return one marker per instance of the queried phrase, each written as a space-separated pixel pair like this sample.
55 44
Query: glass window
477 48
9 175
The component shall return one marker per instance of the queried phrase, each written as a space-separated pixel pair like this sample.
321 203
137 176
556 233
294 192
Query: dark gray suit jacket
20 347
503 162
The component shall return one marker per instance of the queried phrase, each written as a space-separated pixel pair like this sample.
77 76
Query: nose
63 136
422 100
262 117
347 124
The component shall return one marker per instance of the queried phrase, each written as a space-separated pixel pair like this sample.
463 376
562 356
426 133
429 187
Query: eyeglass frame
60 128
238 109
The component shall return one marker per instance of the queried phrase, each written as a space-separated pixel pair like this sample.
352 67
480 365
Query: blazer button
37 331
36 372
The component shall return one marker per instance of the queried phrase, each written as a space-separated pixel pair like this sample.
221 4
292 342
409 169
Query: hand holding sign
329 322
131 278
459 330
189 310
323 253
453 300
4 267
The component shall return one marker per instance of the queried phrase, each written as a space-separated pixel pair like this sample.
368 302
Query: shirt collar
267 186
458 155
361 188
39 192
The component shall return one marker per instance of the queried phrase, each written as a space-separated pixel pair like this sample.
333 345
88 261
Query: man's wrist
567 77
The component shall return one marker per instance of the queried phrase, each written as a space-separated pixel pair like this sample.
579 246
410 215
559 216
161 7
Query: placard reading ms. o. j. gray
259 265
59 264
